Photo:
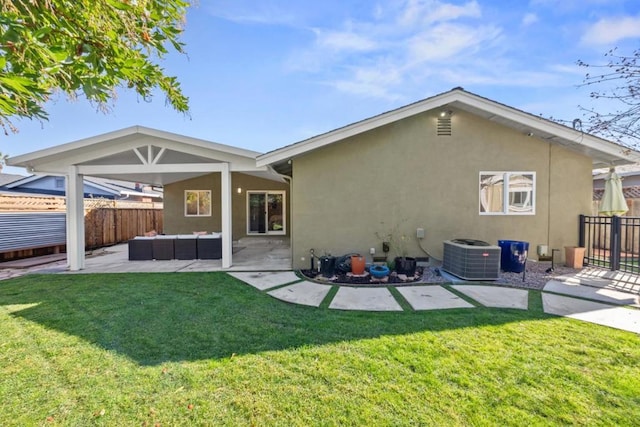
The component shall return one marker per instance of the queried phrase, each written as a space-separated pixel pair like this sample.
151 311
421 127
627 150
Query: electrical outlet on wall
420 233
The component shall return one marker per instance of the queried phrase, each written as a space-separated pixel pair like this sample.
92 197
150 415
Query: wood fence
107 222
105 226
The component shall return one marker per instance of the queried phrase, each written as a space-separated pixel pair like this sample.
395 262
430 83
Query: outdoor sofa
183 247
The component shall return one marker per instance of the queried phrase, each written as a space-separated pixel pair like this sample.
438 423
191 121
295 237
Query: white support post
226 209
75 219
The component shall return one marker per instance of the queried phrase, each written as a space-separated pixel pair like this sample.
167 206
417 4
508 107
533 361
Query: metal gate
611 242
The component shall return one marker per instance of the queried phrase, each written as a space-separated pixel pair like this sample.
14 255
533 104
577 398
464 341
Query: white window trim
198 214
505 196
284 213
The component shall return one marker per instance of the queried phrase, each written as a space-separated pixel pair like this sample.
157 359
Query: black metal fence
611 242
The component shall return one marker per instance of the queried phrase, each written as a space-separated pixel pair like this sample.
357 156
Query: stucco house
455 165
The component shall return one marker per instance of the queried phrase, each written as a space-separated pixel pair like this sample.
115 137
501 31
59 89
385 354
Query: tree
89 47
620 77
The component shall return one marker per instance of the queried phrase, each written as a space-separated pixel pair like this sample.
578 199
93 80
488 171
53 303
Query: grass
206 349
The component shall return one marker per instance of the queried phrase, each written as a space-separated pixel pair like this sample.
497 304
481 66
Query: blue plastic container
513 255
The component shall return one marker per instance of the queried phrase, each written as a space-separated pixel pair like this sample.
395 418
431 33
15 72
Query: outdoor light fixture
446 113
239 190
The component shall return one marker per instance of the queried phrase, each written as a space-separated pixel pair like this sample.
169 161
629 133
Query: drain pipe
419 237
312 252
427 252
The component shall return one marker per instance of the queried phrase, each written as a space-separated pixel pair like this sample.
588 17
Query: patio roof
140 154
603 152
144 155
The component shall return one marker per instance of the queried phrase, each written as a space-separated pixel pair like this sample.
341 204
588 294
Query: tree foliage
88 47
620 80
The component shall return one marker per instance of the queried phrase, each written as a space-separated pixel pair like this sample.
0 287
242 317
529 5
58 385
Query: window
518 199
197 203
59 182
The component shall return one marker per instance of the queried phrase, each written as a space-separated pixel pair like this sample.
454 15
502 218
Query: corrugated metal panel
20 231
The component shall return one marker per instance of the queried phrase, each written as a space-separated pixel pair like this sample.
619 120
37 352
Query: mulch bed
423 275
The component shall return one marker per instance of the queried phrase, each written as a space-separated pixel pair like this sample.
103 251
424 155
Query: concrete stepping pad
432 298
594 293
495 296
266 280
367 299
594 312
305 293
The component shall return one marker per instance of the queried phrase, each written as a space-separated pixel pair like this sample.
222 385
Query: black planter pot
327 266
405 265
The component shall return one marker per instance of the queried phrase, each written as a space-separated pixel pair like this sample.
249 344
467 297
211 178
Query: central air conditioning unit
471 259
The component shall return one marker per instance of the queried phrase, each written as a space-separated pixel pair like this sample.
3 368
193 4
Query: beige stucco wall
403 176
175 221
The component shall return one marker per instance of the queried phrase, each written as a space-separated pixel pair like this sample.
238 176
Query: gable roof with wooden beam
140 154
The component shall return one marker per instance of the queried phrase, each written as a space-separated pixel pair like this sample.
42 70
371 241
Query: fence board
107 226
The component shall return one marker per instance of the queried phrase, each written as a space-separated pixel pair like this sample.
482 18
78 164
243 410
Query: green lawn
206 349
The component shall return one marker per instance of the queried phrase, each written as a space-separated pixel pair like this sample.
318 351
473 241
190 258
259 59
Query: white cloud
425 12
371 81
609 31
529 19
344 41
449 42
263 12
401 42
566 5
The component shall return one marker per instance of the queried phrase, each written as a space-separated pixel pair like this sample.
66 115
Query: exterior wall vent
444 126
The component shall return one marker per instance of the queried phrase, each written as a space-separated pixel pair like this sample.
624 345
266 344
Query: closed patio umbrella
613 202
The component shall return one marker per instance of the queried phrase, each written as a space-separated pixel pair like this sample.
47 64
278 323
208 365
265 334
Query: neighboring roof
125 187
7 178
622 171
603 152
116 188
629 193
139 151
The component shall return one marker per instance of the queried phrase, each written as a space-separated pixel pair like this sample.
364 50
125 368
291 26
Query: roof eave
603 152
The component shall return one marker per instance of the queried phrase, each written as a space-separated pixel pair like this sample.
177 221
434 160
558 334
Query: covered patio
269 254
148 156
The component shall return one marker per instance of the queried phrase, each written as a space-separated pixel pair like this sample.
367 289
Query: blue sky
263 74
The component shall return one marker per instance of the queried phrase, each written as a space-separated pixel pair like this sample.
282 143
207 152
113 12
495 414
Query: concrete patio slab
266 279
368 299
603 278
112 264
574 288
33 261
496 296
432 298
594 312
305 293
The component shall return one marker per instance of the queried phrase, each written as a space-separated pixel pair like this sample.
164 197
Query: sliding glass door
266 212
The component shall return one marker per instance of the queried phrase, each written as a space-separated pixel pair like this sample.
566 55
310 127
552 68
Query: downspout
289 180
549 199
